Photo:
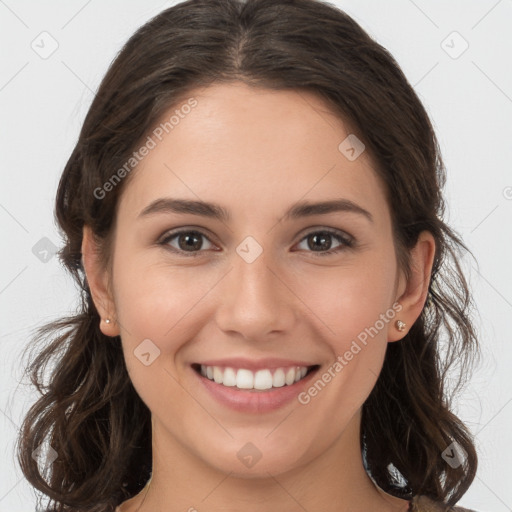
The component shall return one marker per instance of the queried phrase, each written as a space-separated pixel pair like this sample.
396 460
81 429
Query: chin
248 460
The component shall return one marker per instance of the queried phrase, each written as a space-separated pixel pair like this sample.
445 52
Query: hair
88 404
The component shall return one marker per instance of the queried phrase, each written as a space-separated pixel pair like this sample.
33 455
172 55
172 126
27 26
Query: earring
400 325
107 321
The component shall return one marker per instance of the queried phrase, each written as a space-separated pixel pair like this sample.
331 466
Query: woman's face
255 286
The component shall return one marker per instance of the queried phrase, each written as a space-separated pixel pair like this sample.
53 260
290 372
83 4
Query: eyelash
346 241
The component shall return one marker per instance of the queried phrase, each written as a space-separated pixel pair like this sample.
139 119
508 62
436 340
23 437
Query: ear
98 281
412 292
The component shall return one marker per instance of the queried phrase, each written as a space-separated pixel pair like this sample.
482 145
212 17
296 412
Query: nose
255 300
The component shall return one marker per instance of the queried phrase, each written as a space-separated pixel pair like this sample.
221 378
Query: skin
255 152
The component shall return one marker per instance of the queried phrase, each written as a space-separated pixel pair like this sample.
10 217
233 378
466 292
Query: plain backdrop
456 54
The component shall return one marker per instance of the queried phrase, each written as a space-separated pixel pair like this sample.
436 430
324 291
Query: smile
262 379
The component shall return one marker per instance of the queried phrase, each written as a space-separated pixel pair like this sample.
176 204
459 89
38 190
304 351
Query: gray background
43 100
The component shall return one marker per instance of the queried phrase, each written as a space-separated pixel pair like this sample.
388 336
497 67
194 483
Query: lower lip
255 401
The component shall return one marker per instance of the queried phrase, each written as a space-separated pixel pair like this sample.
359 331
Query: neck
335 481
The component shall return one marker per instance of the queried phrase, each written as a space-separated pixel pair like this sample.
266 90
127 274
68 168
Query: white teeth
229 378
218 375
244 379
290 376
260 380
278 378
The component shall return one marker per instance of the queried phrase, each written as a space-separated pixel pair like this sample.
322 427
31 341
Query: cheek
359 312
155 305
153 300
351 301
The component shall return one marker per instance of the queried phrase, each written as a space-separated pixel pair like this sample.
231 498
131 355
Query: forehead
251 146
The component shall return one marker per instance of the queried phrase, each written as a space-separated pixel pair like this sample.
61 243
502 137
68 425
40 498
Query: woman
253 212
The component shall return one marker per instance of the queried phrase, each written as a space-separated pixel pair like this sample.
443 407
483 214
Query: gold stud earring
400 325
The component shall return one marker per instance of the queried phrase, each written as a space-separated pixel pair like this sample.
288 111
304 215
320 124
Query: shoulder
425 504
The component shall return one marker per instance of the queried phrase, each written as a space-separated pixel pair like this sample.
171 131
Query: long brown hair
88 404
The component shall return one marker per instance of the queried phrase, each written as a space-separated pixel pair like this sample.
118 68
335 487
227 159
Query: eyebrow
215 211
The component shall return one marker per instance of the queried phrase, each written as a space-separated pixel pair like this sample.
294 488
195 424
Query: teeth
263 379
229 377
218 375
260 380
290 376
244 379
278 379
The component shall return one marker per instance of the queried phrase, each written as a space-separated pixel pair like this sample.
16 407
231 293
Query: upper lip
253 364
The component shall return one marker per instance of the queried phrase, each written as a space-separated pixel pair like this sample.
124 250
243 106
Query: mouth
260 380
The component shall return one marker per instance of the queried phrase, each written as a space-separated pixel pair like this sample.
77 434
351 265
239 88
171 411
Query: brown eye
186 241
321 242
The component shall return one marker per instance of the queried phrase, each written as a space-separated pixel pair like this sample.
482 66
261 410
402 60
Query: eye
188 241
320 241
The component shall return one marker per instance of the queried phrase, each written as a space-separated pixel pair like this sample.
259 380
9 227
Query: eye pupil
324 245
191 241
